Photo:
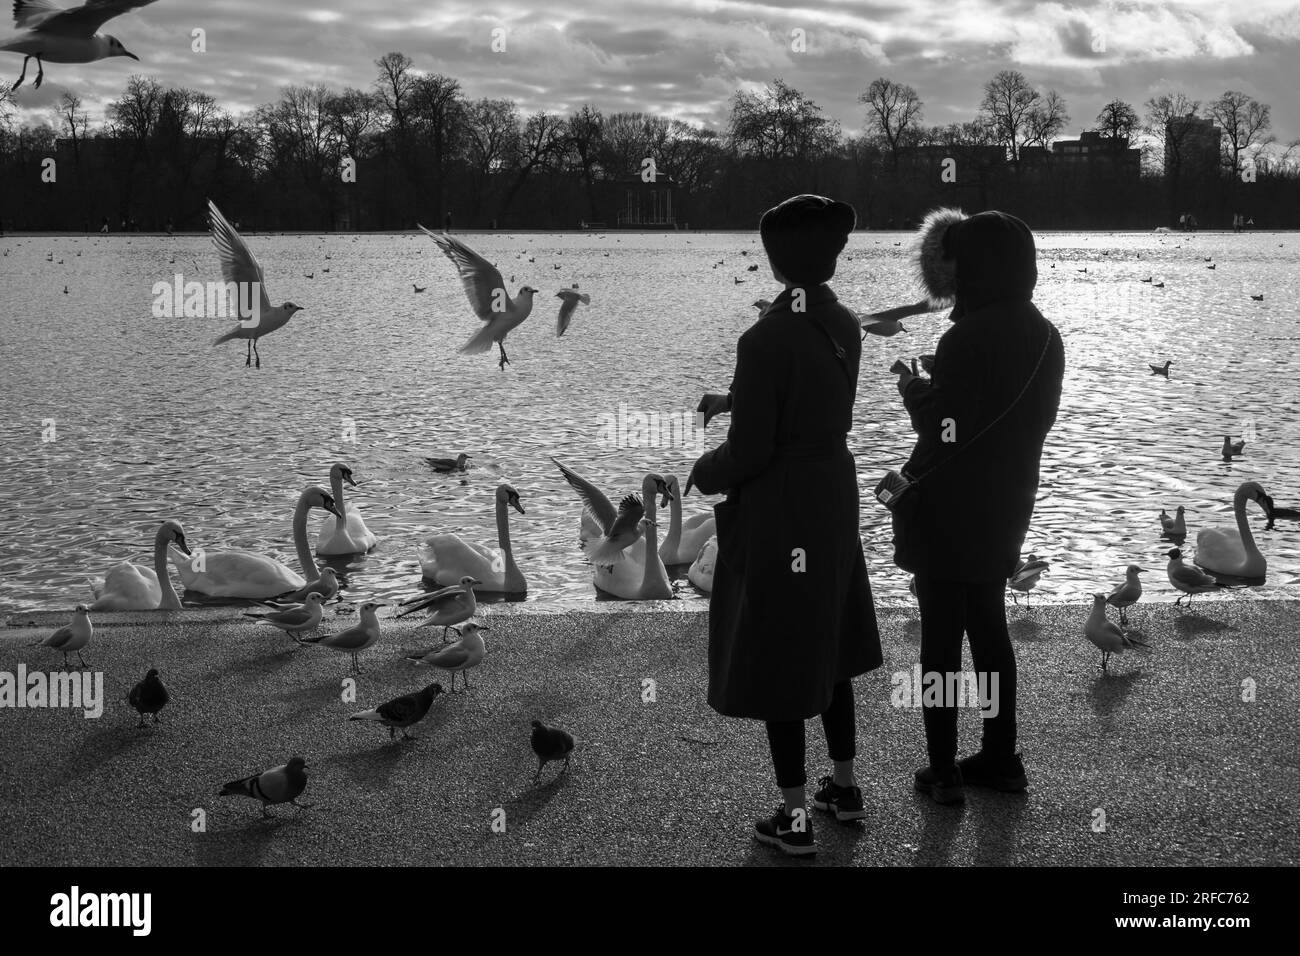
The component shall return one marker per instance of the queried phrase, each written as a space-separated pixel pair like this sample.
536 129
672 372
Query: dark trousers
949 608
786 738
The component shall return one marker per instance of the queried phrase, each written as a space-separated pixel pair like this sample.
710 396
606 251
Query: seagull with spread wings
606 532
66 36
487 297
240 266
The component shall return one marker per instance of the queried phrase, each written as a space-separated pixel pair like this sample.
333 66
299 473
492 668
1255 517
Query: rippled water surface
151 421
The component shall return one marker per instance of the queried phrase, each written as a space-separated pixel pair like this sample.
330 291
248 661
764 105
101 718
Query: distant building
1094 152
646 205
1192 146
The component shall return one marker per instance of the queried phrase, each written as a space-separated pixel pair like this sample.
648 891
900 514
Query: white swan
247 574
701 570
349 534
684 541
638 577
1233 550
129 587
446 558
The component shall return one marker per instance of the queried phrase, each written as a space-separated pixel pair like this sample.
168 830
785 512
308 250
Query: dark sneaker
780 832
943 788
1006 774
844 802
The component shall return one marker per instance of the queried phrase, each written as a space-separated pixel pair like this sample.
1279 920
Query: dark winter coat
791 611
969 517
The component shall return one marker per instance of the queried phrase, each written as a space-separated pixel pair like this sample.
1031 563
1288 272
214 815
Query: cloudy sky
685 58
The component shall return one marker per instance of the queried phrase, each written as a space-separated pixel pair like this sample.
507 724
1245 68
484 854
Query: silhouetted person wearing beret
791 619
980 422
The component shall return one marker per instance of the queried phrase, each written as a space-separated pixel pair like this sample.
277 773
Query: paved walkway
1184 770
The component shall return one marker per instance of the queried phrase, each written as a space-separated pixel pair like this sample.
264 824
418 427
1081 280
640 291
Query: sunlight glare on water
152 422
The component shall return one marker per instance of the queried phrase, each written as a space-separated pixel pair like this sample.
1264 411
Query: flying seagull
240 266
571 299
487 297
66 36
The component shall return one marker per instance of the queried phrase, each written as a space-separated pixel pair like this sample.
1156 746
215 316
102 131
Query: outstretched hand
904 372
712 405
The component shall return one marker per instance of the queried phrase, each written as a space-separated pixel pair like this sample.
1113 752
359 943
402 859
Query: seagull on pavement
1128 593
72 637
1191 581
357 638
449 606
459 657
295 620
1105 635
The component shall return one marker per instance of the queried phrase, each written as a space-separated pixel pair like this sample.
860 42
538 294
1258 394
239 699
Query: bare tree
893 113
1008 105
1117 120
1046 120
1245 123
779 122
1169 137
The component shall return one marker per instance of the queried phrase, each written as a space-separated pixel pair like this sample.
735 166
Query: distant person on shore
791 619
104 226
446 222
980 421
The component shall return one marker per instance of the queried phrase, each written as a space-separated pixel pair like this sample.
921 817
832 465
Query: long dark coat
972 514
791 612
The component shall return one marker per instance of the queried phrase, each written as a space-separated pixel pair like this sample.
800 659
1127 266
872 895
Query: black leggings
949 608
786 738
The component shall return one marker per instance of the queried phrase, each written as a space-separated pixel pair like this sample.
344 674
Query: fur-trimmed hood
972 261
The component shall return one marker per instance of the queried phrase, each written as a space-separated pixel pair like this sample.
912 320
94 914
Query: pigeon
240 266
1161 369
487 297
1025 577
282 784
357 638
1175 527
295 620
1231 448
459 657
72 637
567 307
66 36
551 743
1128 593
148 696
402 712
449 606
1191 581
1105 635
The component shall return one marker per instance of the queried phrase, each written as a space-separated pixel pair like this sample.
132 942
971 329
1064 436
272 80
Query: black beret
804 235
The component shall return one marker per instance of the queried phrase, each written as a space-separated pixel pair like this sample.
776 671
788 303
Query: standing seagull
71 637
487 297
448 606
66 36
358 637
571 299
240 266
1105 635
1128 593
459 657
1191 581
295 620
1025 577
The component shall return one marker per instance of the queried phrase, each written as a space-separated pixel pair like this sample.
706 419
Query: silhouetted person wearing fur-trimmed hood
980 421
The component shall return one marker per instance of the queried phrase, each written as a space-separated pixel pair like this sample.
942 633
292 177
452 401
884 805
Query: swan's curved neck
648 575
1243 524
503 536
674 538
336 489
305 558
161 568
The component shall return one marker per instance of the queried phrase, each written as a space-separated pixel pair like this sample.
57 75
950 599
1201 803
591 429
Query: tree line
415 148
